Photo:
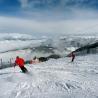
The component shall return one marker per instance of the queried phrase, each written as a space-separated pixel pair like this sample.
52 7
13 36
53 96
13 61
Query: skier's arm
15 64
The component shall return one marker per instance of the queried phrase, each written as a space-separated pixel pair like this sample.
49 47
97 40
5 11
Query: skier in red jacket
20 62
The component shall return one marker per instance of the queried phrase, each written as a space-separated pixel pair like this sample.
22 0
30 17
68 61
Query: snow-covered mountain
54 78
28 46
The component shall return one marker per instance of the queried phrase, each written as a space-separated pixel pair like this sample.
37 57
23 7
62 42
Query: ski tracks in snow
43 83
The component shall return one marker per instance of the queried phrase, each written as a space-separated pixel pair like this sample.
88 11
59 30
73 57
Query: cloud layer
48 16
64 9
16 25
63 4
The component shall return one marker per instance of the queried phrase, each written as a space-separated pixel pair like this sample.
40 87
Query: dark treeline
41 59
87 49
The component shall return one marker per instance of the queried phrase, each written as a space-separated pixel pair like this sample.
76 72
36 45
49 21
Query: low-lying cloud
16 25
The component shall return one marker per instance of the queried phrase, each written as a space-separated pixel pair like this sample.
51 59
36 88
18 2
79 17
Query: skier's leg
25 69
72 60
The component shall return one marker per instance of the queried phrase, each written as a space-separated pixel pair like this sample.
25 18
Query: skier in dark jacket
73 56
20 62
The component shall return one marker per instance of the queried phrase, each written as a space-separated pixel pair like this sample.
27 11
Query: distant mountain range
61 45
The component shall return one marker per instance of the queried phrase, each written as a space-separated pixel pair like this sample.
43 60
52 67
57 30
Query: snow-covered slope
52 79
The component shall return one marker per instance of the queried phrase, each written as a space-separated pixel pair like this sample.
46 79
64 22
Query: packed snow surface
52 79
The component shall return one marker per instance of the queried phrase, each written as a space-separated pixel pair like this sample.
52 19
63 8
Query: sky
49 16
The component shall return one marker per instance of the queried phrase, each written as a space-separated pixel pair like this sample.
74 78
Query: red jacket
19 62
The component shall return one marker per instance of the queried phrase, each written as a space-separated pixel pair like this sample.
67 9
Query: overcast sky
49 16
